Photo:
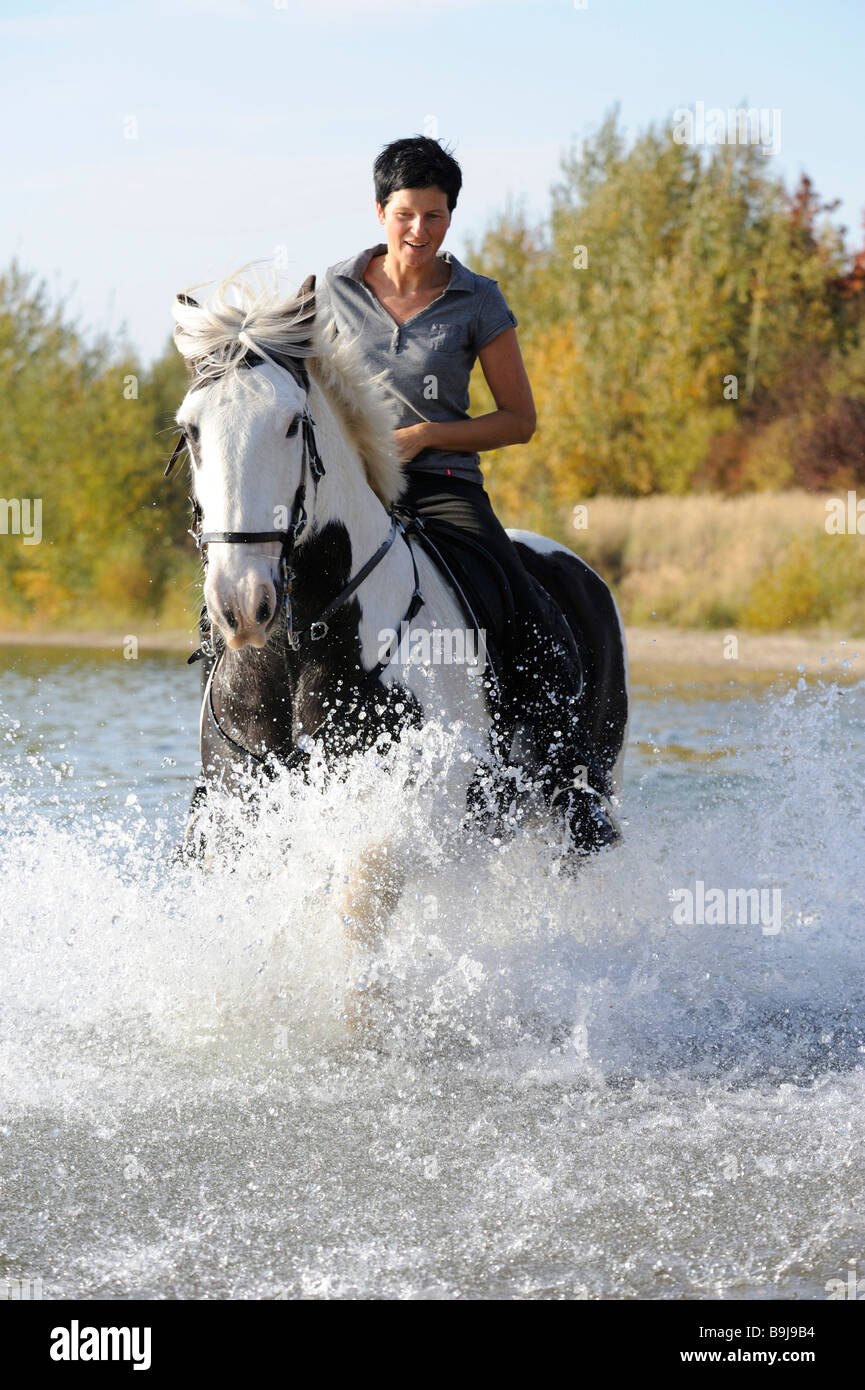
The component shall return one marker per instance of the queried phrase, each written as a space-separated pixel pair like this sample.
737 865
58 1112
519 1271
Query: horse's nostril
263 611
229 618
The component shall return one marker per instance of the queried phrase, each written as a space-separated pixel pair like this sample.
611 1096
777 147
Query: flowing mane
241 318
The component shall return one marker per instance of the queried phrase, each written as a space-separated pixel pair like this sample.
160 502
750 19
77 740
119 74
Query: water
564 1093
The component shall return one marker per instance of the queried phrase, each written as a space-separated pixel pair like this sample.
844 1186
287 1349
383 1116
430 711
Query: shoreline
767 654
759 654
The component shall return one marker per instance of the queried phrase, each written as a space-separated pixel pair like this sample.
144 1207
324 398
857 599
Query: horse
309 571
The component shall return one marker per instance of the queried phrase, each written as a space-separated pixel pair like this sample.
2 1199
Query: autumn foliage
689 326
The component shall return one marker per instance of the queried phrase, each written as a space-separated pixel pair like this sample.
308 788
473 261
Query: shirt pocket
447 338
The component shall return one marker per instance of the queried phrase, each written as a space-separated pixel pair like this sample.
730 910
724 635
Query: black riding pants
539 666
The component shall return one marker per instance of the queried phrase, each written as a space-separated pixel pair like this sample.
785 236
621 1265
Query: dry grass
763 561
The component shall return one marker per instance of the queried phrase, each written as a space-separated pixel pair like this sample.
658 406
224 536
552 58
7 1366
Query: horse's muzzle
244 611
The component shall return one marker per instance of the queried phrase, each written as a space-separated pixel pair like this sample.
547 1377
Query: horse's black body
262 707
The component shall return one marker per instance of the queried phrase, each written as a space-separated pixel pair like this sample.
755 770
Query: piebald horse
294 479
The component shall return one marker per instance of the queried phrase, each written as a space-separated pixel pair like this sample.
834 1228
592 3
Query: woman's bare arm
512 422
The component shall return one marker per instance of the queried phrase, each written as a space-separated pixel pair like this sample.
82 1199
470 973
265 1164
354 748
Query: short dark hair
418 162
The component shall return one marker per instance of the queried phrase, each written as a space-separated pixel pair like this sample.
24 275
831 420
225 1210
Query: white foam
569 1093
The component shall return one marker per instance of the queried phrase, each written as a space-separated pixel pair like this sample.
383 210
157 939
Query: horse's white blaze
248 474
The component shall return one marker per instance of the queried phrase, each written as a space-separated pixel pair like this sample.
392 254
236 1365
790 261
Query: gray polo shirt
425 362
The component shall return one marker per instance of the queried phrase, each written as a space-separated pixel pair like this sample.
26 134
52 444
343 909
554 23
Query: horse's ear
178 450
302 310
306 299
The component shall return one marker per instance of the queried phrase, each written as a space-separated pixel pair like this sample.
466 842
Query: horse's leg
193 845
372 890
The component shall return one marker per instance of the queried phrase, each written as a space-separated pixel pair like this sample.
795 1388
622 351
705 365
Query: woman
420 320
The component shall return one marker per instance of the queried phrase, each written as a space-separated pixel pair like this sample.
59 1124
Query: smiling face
416 221
247 455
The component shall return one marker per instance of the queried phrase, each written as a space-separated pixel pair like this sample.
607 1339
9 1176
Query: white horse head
242 419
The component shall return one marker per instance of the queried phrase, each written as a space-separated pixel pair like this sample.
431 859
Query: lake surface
569 1094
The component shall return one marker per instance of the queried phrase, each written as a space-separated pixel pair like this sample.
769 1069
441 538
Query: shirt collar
461 276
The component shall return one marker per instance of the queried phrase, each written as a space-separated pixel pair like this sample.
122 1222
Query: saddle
485 592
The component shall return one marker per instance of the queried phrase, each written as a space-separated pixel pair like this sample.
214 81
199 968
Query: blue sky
257 122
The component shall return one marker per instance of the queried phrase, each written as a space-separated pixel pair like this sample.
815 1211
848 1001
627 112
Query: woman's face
415 222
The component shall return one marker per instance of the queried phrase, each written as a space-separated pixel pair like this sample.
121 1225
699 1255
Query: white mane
214 337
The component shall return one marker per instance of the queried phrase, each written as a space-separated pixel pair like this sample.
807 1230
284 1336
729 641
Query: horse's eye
292 429
192 433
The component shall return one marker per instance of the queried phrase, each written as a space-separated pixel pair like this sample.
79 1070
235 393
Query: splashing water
565 1093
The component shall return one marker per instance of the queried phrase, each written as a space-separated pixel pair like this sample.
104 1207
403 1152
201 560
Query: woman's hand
411 440
512 422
